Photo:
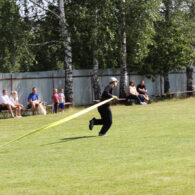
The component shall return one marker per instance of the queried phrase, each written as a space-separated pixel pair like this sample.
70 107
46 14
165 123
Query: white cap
113 79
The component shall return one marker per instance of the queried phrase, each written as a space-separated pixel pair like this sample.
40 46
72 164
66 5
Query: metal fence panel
83 92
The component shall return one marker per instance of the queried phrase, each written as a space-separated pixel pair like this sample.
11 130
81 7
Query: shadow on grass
69 139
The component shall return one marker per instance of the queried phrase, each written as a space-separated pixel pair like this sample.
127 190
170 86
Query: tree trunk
26 12
189 70
166 84
167 11
123 54
95 79
68 53
168 7
189 74
96 85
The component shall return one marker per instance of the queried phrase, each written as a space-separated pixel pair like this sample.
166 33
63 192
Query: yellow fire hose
60 121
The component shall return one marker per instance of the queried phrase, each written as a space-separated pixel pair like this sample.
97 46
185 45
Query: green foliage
141 16
81 16
14 51
188 24
173 48
46 43
32 42
171 51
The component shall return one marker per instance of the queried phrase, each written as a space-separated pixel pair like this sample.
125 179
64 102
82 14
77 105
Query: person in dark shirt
141 88
104 110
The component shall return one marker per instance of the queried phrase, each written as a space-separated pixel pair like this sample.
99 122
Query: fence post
92 87
53 82
11 79
160 85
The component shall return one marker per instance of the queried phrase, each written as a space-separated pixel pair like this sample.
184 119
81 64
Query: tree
149 37
93 25
167 15
14 42
189 75
136 19
171 50
189 30
170 53
67 51
66 42
46 43
181 45
95 78
123 51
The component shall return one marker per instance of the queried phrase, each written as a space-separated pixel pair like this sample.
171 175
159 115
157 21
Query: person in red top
55 100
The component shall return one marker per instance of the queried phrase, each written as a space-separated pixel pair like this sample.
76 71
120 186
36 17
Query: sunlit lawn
149 150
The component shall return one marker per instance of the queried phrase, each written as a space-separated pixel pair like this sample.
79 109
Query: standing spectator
14 100
6 104
133 94
55 100
141 88
33 100
62 101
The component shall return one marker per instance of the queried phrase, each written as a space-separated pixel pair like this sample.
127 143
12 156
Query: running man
104 110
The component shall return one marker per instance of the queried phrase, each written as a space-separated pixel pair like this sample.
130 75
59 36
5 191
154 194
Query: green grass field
150 150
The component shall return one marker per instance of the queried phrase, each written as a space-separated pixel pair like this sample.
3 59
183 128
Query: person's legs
10 110
95 121
141 97
134 97
146 97
32 105
61 107
19 111
55 107
16 112
98 121
107 120
102 114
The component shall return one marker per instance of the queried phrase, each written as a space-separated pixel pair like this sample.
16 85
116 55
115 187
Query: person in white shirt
62 100
14 100
6 104
133 94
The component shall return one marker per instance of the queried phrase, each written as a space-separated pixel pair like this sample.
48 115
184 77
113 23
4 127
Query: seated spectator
61 100
55 100
133 94
6 104
14 100
33 100
141 88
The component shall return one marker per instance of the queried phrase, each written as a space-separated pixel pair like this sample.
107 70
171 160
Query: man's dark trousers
139 98
106 118
55 108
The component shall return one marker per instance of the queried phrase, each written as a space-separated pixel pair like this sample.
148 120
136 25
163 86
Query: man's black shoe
91 124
